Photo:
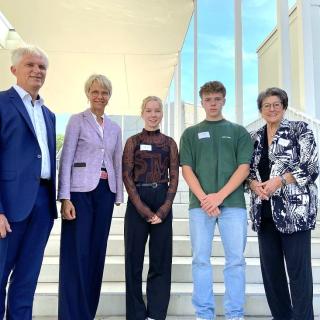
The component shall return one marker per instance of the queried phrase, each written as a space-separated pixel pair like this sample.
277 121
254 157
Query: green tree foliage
59 141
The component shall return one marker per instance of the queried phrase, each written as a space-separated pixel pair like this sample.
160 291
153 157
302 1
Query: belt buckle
154 185
103 175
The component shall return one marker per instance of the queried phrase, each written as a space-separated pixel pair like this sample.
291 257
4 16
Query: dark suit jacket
20 158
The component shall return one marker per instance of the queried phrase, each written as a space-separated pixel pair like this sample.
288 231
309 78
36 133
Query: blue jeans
232 223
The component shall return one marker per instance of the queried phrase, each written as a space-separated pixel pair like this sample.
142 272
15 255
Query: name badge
145 147
204 135
283 142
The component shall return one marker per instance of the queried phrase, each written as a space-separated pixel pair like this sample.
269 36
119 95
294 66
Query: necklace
271 133
272 129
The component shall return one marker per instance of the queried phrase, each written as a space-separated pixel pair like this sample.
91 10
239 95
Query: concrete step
167 318
180 210
181 246
112 299
180 227
181 269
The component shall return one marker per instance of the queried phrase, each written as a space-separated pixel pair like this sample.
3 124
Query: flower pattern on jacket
293 149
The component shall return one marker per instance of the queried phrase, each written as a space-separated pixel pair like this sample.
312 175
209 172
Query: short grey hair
274 91
148 99
18 53
101 79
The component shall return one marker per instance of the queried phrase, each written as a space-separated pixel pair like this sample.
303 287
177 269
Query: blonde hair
148 99
101 79
17 54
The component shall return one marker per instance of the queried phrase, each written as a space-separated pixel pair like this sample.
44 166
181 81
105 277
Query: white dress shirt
100 127
39 125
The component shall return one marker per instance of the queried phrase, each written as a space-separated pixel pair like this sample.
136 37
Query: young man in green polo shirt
215 156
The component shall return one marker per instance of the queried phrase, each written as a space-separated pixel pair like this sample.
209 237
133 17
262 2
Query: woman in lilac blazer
90 182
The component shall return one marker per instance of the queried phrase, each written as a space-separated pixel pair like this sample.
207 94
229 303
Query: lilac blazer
82 154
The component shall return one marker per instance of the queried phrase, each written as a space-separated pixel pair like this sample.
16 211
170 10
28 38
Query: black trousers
294 251
136 232
83 251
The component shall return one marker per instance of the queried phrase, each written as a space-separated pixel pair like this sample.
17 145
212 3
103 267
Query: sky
216 49
216 52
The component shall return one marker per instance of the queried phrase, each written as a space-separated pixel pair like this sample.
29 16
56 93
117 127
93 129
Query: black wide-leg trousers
82 253
136 232
278 252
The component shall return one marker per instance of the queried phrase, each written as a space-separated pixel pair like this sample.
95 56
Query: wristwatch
283 180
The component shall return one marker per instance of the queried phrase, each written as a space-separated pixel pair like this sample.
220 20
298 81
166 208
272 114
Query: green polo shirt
214 150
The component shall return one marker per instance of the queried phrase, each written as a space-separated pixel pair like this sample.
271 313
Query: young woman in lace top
150 174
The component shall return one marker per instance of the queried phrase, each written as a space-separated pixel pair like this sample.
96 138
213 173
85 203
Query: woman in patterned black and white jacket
283 209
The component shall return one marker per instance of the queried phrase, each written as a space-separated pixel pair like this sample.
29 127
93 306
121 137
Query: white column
165 119
284 46
306 54
3 35
183 117
315 20
177 100
5 28
168 117
171 119
195 62
238 61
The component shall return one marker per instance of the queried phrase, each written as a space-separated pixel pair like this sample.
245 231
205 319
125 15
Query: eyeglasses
96 94
275 105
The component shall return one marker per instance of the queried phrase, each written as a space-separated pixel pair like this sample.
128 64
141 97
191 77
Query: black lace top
150 156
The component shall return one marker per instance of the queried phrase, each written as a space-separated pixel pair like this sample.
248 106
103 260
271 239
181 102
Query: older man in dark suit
27 182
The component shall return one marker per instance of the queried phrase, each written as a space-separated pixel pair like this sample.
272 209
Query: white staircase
112 300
